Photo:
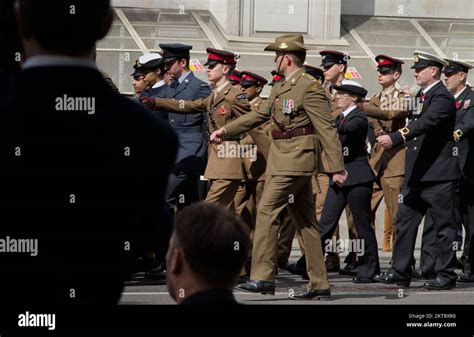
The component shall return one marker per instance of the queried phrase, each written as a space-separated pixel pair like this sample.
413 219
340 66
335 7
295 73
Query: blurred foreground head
208 249
62 27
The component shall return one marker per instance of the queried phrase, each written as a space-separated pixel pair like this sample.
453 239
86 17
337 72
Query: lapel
428 96
183 85
221 95
287 85
461 99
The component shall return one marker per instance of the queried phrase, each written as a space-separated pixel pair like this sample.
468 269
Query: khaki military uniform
388 165
224 168
250 190
298 102
321 182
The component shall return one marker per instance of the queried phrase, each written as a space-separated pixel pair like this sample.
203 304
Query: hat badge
138 64
417 59
283 45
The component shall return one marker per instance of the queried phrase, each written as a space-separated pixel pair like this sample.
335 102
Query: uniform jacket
224 160
306 100
353 133
190 128
386 118
255 169
465 123
429 139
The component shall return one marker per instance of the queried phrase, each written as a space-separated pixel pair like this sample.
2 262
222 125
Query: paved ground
143 291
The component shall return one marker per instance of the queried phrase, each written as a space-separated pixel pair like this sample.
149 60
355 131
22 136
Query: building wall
163 4
453 9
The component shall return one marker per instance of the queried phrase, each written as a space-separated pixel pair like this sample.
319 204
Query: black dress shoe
333 265
359 279
392 278
243 279
466 278
295 269
312 294
350 269
440 283
258 286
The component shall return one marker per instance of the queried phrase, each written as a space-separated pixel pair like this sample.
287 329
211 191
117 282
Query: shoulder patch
241 97
308 77
314 86
204 85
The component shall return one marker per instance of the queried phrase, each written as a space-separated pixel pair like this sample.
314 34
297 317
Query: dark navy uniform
191 130
429 184
357 190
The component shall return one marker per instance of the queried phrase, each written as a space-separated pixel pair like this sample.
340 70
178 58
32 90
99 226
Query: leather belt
302 131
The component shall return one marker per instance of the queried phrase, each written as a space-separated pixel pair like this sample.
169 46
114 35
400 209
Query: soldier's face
151 78
454 80
425 75
251 91
387 78
344 100
332 72
139 84
216 71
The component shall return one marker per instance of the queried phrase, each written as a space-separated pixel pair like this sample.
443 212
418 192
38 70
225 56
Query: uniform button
172 121
416 118
415 148
414 138
406 147
297 147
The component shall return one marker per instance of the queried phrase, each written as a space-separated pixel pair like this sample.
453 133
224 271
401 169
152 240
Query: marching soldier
456 76
250 191
430 176
388 112
353 126
334 64
192 134
300 116
224 167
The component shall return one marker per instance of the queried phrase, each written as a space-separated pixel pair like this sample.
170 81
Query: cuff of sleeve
334 163
397 138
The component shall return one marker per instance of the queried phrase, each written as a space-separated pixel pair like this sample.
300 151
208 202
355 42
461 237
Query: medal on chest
288 105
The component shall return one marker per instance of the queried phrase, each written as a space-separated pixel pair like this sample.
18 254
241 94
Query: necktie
342 119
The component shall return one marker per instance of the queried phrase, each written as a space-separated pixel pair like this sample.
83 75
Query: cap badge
283 45
417 59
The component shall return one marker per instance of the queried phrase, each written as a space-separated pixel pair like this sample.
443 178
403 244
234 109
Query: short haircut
298 58
66 26
214 241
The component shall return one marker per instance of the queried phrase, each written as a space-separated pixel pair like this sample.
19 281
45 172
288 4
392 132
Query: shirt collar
183 77
349 110
460 92
254 100
159 84
429 87
58 61
287 78
221 87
